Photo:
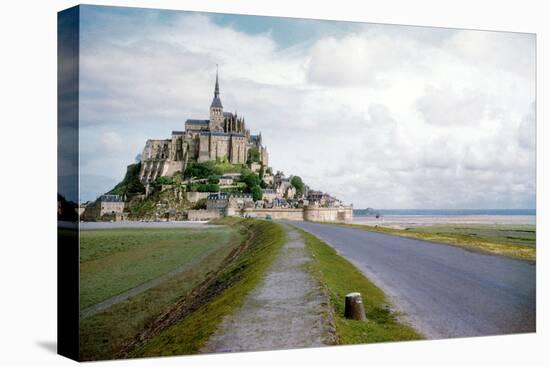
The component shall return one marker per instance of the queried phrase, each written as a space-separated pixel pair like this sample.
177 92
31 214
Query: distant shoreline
417 220
444 212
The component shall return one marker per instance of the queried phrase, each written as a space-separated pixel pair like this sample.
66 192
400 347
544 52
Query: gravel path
287 310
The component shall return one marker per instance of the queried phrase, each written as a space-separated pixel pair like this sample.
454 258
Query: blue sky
379 115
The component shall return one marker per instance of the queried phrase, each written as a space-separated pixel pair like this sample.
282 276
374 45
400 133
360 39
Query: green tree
253 155
159 181
209 168
298 185
203 187
131 183
193 187
200 170
214 179
251 179
206 187
177 178
257 193
163 180
200 204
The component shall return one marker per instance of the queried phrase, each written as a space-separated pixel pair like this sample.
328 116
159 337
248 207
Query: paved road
443 290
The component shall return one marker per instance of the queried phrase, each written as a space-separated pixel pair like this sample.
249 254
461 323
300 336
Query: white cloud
443 105
527 130
386 116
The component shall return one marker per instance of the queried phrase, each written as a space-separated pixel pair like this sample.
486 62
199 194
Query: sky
382 116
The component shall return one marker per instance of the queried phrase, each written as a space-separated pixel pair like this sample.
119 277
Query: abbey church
223 136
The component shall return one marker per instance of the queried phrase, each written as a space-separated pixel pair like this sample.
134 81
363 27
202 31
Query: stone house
106 207
226 181
229 203
217 201
268 195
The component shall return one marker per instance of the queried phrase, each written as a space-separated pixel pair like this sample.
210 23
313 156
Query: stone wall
283 213
219 147
112 207
316 214
265 156
194 196
345 214
171 167
239 150
203 214
163 158
204 146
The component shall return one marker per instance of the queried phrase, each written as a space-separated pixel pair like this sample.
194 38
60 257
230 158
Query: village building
255 167
106 207
225 181
268 195
228 203
217 201
268 179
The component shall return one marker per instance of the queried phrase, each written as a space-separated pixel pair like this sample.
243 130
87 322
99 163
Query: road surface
443 291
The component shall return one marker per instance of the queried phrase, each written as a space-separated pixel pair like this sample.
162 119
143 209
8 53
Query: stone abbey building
223 136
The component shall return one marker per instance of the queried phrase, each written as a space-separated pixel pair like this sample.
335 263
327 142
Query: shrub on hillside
131 183
200 204
257 193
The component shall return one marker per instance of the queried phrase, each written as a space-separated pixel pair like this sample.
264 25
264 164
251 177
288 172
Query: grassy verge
103 335
340 277
116 260
484 239
234 283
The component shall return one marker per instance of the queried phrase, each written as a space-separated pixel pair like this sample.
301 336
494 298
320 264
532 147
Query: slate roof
218 196
111 198
220 133
256 139
225 195
216 102
197 122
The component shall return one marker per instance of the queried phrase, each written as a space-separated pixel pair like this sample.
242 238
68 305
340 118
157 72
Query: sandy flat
405 221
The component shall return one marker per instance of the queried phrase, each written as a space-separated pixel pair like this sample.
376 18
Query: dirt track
287 310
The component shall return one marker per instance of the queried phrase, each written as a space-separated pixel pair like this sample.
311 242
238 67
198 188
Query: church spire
216 102
217 88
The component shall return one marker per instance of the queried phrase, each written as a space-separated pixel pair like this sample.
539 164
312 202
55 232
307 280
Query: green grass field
116 260
145 254
237 280
524 234
514 241
340 277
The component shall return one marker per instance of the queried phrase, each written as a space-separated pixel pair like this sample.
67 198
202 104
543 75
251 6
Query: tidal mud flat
408 221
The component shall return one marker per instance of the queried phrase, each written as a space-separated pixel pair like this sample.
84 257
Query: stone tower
216 109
